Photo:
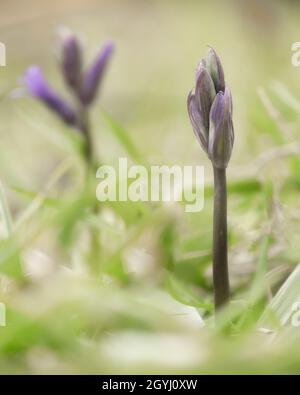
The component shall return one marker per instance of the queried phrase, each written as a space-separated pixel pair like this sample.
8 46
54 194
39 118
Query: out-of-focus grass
150 307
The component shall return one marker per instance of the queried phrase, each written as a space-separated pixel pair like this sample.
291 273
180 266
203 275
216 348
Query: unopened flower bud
39 87
71 61
210 111
199 129
221 135
93 77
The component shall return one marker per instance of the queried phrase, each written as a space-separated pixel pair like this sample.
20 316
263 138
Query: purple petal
195 117
39 88
215 70
93 77
218 110
202 64
35 82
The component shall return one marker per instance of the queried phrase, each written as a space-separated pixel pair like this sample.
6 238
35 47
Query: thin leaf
123 137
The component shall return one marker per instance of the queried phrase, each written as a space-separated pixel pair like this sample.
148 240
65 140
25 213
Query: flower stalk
210 112
220 253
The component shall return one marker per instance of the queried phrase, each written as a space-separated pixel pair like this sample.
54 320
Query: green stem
220 253
95 250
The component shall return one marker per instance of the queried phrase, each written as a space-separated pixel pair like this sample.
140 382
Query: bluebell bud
210 111
92 78
84 85
39 88
199 130
71 60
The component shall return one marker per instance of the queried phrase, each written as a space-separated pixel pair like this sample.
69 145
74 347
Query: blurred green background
145 310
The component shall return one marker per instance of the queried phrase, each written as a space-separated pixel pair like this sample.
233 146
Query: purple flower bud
221 134
93 77
200 131
201 65
215 69
71 61
199 105
210 111
39 88
204 94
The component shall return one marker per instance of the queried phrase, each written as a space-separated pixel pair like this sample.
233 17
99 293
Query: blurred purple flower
92 78
39 88
221 136
215 69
